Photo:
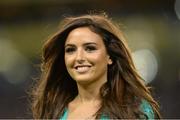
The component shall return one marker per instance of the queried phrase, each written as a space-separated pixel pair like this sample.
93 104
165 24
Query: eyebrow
85 44
71 45
89 43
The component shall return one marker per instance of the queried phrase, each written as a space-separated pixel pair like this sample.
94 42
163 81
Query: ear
109 61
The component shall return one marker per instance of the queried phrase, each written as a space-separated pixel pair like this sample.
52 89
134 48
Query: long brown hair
121 95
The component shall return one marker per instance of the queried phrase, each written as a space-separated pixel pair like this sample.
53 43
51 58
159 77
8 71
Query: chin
83 79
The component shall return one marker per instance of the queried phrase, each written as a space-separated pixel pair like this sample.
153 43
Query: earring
110 61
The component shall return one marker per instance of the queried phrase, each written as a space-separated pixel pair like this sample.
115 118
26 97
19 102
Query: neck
85 95
89 92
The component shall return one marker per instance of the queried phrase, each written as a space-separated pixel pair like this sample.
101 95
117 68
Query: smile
82 69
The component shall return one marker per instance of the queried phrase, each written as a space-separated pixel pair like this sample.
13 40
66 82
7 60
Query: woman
88 73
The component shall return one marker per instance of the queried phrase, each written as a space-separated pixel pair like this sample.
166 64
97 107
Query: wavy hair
121 94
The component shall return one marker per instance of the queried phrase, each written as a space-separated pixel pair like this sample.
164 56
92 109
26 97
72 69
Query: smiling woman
86 57
88 73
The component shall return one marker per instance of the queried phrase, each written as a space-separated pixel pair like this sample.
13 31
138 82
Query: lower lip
82 69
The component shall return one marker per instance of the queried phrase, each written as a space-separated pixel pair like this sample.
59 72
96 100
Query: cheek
68 61
99 58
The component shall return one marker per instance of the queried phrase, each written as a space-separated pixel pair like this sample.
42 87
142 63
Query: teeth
82 69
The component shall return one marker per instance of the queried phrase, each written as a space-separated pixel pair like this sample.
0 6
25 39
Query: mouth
82 68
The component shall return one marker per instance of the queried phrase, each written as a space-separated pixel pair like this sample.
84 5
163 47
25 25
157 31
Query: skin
87 61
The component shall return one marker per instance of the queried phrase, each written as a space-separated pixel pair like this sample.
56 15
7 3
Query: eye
70 49
90 48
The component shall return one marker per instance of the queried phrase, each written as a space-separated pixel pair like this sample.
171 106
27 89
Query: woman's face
86 58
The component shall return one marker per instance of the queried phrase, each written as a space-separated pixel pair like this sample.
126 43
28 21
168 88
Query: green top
145 107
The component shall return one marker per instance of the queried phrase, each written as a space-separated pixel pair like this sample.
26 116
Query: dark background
149 25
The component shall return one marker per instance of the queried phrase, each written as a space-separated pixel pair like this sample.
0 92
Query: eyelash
70 50
87 48
90 48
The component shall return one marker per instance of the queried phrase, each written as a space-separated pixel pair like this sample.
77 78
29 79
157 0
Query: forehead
83 34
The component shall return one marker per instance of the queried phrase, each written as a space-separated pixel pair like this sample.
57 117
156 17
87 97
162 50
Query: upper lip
76 66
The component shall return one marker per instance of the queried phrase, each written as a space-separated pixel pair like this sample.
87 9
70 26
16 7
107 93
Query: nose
80 58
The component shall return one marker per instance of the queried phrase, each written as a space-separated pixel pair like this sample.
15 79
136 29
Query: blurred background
152 28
